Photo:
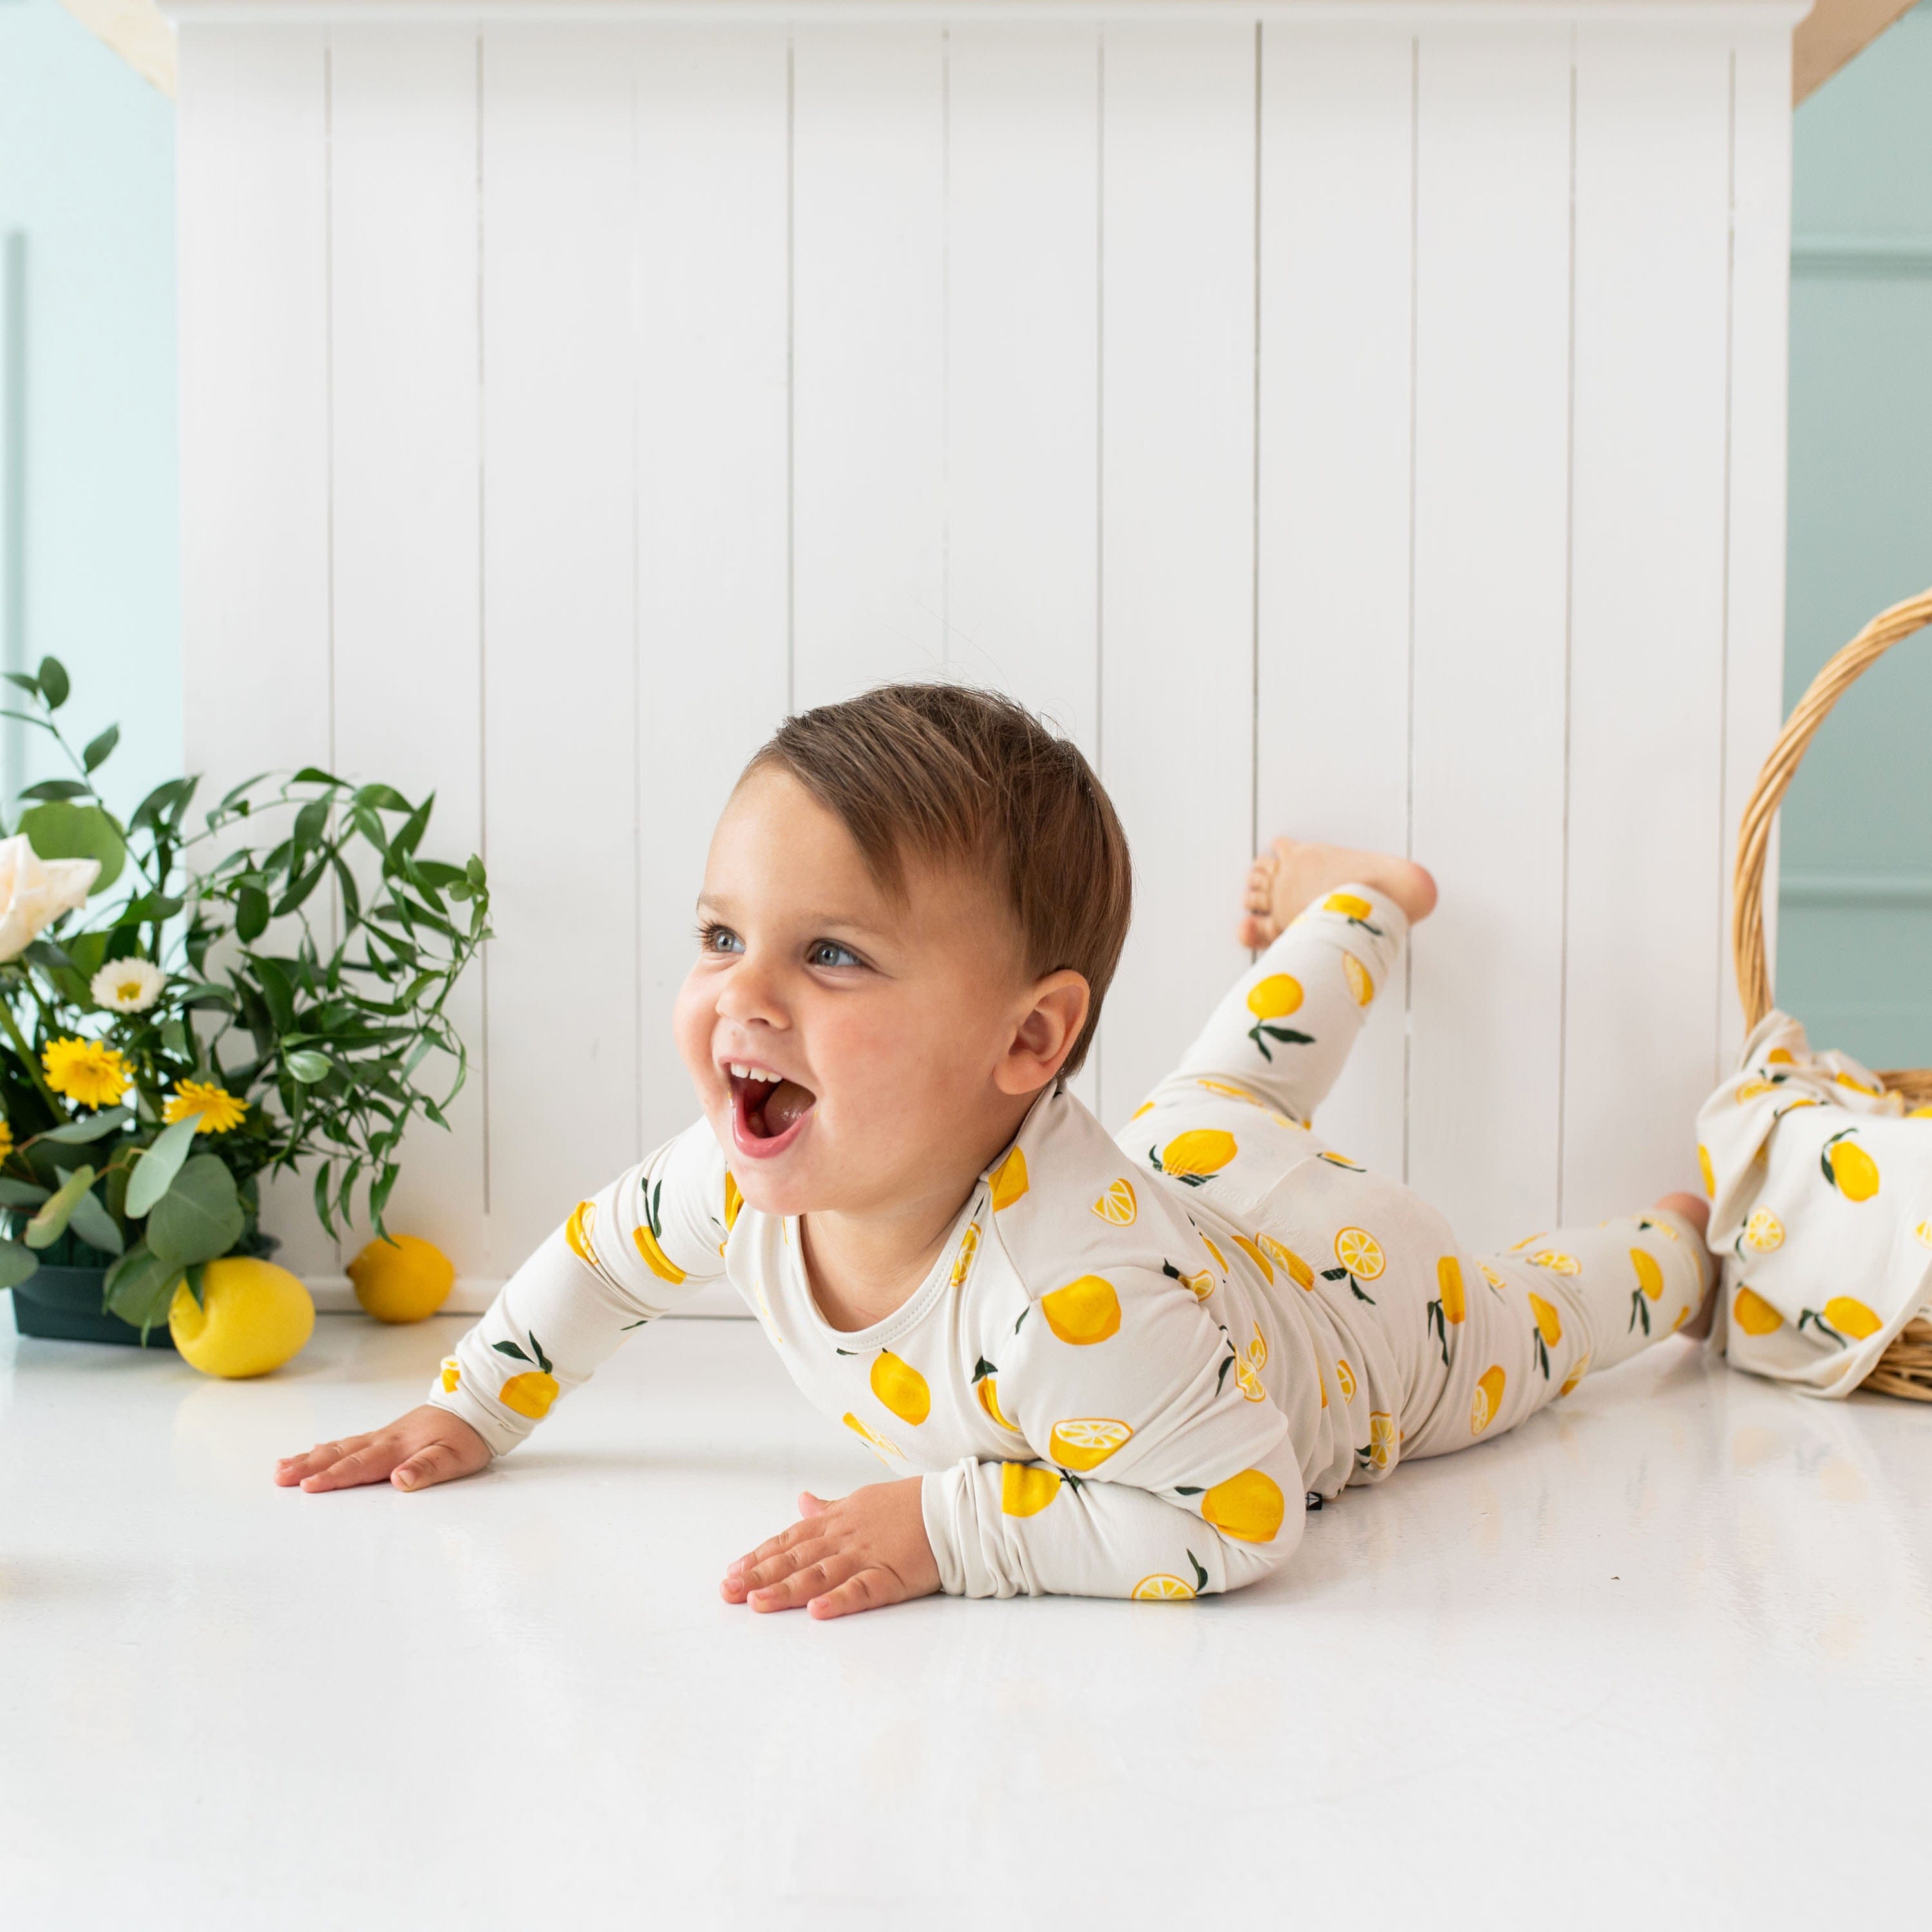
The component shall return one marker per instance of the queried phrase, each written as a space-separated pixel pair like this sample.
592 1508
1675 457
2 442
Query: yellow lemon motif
452 1373
1025 1490
402 1278
1490 1275
1449 1286
1258 1349
1201 1284
1009 1181
1764 1230
878 1444
659 1263
1085 1442
1549 1324
1849 1169
530 1394
1381 1437
900 1388
1919 1113
1192 1157
576 1232
1117 1206
1922 1233
989 1400
1345 1377
1254 1255
1145 1107
1275 997
969 1246
1576 1374
1557 1263
1084 1311
1335 1159
1350 905
1856 1086
1250 1506
1220 1259
1299 1272
1649 1273
1751 1089
1489 1398
1704 1168
253 1316
1360 1253
1162 1589
734 1201
1851 1318
1359 983
1753 1314
1248 1382
1232 1092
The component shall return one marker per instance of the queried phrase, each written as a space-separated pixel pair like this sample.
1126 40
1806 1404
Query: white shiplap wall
1366 427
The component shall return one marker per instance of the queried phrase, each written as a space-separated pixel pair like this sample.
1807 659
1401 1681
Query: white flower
34 892
127 985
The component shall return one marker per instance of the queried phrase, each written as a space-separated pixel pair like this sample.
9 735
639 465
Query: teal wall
87 535
1855 951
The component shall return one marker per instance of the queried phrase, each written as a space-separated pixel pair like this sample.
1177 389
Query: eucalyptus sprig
300 954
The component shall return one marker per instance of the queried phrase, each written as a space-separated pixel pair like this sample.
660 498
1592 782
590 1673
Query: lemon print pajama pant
1436 1347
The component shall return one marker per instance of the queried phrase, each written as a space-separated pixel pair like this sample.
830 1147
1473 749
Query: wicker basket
1905 1368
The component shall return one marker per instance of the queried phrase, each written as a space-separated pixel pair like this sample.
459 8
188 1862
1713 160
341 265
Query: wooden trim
1832 33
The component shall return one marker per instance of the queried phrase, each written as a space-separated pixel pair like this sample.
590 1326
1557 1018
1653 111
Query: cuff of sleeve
498 1435
966 1548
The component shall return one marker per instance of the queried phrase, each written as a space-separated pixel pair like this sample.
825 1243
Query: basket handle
1843 669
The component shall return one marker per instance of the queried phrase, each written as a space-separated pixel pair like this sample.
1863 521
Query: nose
752 995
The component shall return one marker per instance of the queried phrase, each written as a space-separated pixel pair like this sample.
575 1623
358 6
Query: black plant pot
63 1304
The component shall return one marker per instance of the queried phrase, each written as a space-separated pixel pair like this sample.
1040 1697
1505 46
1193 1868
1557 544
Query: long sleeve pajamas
1137 1358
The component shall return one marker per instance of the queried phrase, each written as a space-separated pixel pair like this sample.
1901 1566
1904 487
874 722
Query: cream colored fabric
1136 1358
1821 1188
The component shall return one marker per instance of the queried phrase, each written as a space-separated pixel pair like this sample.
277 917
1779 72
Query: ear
1056 1011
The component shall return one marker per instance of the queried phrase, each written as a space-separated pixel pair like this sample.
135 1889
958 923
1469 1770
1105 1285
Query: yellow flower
6 1140
213 1109
86 1070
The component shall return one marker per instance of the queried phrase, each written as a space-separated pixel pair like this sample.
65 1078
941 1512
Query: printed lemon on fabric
1191 1157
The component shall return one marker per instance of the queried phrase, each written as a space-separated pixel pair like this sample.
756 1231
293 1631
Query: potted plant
184 1007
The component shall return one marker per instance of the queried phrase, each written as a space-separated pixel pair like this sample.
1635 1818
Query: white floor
1664 1657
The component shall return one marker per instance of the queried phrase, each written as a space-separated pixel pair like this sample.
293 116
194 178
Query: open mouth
768 1111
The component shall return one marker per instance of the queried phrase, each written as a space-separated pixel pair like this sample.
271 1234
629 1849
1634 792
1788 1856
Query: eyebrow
721 904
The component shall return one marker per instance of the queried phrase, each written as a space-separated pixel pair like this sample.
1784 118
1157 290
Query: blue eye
719 939
839 955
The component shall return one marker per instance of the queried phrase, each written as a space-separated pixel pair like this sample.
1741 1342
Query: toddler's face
850 1053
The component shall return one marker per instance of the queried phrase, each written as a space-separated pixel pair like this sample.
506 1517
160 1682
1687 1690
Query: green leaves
108 1121
140 1285
307 1066
91 1221
54 686
16 1265
49 1223
62 829
154 1173
199 1217
100 748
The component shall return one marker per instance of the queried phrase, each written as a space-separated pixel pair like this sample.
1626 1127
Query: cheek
692 1020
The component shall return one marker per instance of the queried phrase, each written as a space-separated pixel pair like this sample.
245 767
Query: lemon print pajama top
1138 1360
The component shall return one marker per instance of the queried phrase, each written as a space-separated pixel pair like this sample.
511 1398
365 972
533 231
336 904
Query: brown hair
968 777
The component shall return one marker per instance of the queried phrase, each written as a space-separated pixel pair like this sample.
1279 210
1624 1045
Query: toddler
1096 1366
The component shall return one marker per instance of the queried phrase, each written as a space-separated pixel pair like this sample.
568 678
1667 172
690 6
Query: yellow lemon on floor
1084 1441
1162 1589
405 1279
1489 1398
1754 1315
1084 1311
1275 997
1025 1490
1249 1507
1359 983
252 1317
1851 1318
901 1387
1449 1286
1009 1181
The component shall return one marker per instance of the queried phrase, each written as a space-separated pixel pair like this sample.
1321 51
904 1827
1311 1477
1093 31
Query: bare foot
1697 1211
1290 875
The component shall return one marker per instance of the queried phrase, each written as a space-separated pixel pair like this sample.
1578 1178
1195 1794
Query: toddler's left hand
860 1553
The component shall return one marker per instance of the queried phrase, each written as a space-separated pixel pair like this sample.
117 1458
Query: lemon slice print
1083 1442
1202 1284
1381 1451
1578 1372
1344 1377
1299 1272
1220 1259
1488 1401
1162 1587
880 1447
1117 1206
1359 983
969 1246
1557 1262
1254 1255
452 1373
532 1393
1009 1181
1490 1275
1248 1382
1360 1258
1258 1349
1763 1232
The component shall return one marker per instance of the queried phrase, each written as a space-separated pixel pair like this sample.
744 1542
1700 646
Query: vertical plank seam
336 911
482 626
1569 635
632 225
791 371
1255 487
945 346
1722 935
1415 337
1100 470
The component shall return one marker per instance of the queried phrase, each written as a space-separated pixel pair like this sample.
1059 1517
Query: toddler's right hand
427 1445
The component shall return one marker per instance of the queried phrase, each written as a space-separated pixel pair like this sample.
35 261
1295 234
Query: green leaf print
1439 1326
1200 1575
982 1369
509 1349
1638 1306
1355 1287
1284 1036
